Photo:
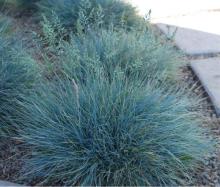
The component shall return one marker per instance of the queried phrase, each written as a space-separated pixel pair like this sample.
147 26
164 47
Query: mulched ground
10 160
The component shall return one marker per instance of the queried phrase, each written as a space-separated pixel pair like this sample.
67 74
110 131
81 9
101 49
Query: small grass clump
135 54
81 14
18 73
116 133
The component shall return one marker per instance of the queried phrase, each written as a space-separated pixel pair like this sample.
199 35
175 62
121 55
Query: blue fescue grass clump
131 53
118 133
18 73
18 5
81 14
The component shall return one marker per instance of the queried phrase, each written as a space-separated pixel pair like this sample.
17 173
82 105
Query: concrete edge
217 109
189 54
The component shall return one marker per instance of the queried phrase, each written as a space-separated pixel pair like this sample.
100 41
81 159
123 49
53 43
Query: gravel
10 160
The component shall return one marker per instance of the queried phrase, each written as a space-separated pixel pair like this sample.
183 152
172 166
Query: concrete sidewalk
194 27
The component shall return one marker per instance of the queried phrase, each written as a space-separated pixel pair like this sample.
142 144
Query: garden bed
100 102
